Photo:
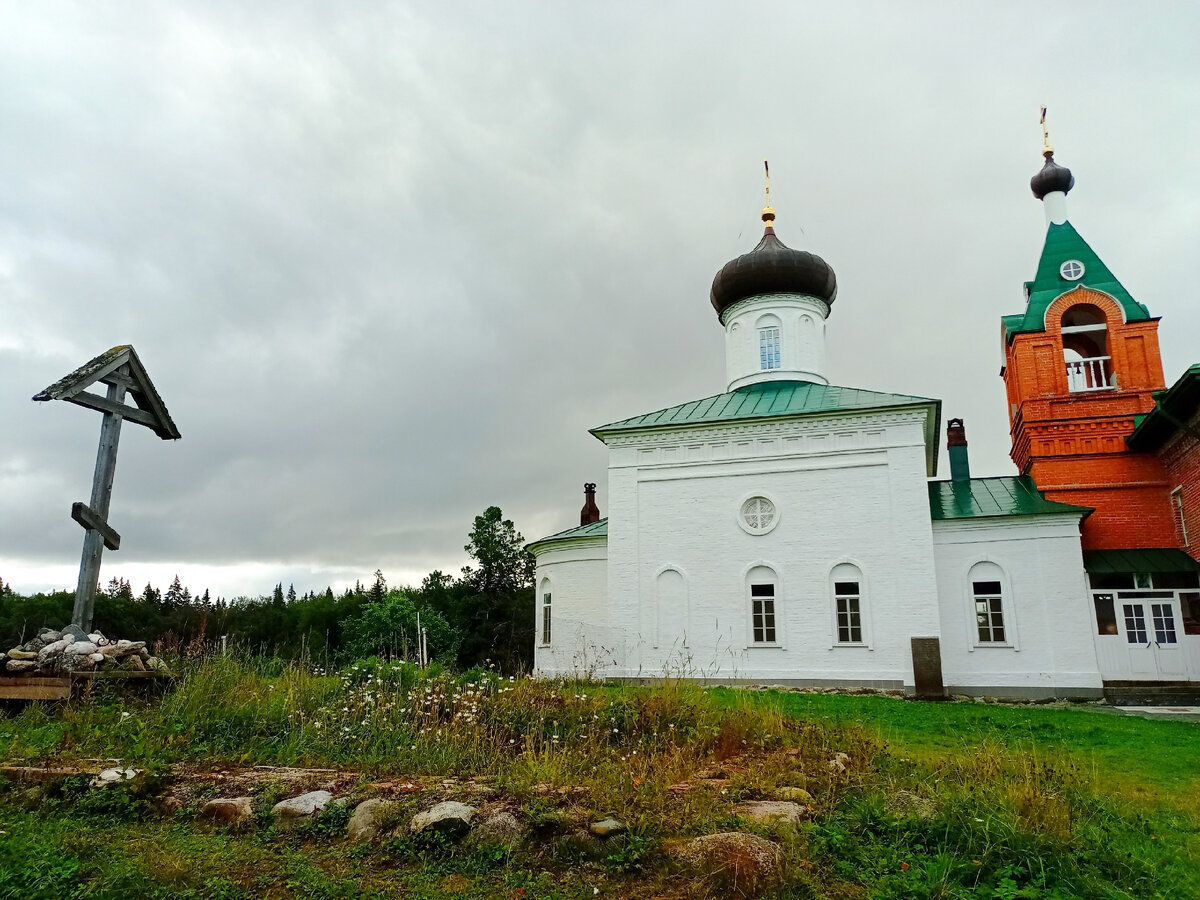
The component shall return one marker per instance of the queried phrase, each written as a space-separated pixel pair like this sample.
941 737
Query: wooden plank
86 516
104 405
35 688
102 482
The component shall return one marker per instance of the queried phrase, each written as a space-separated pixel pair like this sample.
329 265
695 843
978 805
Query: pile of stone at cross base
73 650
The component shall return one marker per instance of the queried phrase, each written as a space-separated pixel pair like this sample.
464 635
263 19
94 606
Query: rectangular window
1106 614
545 618
762 601
768 348
989 612
1135 623
1191 612
849 612
1164 622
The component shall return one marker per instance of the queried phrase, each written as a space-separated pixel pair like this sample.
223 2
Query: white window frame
770 348
777 606
863 605
745 526
687 605
1008 606
1177 503
545 617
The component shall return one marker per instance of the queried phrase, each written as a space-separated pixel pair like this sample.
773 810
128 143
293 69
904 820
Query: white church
787 532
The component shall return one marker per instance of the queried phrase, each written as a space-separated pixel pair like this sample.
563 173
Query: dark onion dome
772 268
1051 178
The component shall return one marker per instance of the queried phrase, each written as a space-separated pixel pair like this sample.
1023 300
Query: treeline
485 615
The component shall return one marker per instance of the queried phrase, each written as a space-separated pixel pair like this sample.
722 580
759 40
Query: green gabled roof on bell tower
1063 243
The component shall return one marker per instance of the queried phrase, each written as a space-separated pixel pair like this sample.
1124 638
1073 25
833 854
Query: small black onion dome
772 268
1051 178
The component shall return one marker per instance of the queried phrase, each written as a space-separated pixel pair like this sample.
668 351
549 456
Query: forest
484 616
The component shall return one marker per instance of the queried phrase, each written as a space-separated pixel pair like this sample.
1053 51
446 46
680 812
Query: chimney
590 512
956 445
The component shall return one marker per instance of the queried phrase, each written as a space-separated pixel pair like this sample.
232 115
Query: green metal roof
1063 243
591 530
1008 495
778 399
768 399
1173 408
1144 559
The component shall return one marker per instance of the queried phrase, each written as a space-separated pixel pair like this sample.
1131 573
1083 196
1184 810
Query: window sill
765 647
987 645
861 645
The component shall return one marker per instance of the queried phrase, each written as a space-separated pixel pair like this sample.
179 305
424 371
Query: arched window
1085 348
848 604
670 591
546 598
762 585
769 353
987 595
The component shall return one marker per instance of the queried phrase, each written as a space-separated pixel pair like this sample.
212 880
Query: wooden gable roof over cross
120 365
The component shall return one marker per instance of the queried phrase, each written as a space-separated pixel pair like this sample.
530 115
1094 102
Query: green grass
1131 755
951 800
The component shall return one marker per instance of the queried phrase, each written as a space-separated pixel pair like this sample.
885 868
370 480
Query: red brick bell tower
1081 365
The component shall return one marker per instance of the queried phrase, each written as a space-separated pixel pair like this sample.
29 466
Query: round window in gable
1072 270
758 515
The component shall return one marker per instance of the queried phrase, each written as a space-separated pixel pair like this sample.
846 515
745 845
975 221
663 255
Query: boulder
798 794
20 666
583 843
235 811
368 820
53 649
80 648
154 664
133 664
97 638
22 655
75 633
451 818
126 647
49 635
500 830
771 812
607 828
743 862
288 812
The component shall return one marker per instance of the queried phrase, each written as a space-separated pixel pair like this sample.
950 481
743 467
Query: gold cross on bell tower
768 214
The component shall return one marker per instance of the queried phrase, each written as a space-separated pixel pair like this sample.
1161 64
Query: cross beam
123 373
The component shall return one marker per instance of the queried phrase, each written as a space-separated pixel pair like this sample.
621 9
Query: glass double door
1141 637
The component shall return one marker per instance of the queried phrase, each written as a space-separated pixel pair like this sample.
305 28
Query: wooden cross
123 373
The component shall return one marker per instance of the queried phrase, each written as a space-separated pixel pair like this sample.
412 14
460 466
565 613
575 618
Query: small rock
126 647
287 812
49 635
771 812
114 775
500 830
798 794
97 657
17 666
75 633
583 843
154 664
368 819
235 811
80 648
34 645
746 862
97 638
22 654
607 828
451 818
133 664
109 650
172 805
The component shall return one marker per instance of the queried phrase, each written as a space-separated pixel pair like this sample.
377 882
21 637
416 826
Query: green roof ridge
998 495
1063 242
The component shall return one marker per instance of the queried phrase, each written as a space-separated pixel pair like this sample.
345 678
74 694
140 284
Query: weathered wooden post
123 373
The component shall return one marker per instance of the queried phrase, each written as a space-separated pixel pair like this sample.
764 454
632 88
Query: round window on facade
758 515
1072 270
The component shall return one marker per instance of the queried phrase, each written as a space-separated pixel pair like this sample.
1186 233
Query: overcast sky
387 263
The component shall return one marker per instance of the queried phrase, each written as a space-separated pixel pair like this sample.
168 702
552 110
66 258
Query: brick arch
1114 315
